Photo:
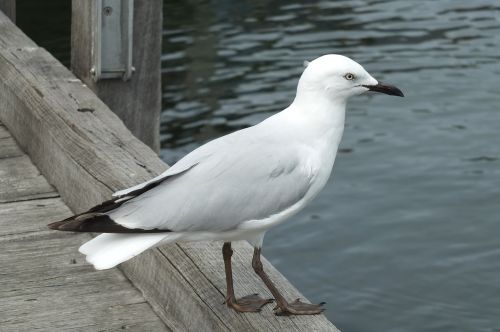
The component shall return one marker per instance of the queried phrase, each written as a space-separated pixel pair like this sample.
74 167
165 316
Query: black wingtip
96 219
54 225
96 223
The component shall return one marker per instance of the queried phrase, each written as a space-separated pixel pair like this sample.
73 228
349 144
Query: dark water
406 236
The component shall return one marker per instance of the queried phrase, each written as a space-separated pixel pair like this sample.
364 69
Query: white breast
319 164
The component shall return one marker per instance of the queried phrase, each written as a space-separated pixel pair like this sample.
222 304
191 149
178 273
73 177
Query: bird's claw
249 303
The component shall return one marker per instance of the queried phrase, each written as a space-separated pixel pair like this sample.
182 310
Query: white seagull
238 186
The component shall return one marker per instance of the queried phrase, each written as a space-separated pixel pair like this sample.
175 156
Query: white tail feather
108 250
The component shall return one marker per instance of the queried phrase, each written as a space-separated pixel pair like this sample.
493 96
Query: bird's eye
349 76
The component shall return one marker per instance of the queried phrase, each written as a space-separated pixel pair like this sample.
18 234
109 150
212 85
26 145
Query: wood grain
47 286
8 146
88 155
20 180
44 284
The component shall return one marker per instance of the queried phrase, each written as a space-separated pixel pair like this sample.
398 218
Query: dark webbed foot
283 308
249 303
298 308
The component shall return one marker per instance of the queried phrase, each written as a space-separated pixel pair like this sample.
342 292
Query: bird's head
338 77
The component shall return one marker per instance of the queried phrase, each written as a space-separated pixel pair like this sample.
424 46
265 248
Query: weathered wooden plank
246 282
4 133
8 147
73 128
53 289
20 180
31 216
137 101
170 294
210 286
86 152
9 9
46 286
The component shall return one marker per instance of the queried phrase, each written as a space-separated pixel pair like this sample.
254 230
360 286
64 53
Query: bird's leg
282 306
249 303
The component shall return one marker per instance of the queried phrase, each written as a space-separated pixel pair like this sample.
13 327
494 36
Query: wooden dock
44 283
83 152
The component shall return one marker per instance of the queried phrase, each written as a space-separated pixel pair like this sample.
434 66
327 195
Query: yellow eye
349 76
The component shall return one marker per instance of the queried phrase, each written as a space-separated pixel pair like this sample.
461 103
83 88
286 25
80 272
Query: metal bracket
112 39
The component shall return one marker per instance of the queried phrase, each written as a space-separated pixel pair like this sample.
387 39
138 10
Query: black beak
385 88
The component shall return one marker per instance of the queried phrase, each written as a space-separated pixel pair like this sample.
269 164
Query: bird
238 186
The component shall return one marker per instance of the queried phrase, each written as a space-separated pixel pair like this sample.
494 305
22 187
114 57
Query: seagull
238 186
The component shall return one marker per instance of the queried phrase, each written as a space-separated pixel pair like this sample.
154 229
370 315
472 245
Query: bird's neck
322 116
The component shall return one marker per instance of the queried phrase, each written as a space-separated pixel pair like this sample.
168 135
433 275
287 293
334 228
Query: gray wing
232 183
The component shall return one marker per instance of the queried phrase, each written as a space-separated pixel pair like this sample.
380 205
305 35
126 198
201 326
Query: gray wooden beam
54 285
47 286
136 101
9 9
